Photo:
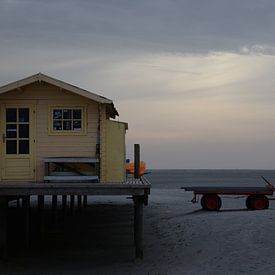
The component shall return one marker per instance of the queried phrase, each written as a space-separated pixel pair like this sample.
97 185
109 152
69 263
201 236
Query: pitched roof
74 89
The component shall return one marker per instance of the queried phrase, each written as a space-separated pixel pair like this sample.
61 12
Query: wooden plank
72 160
128 182
90 192
70 178
70 188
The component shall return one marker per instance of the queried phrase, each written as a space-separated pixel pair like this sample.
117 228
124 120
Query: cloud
183 26
258 50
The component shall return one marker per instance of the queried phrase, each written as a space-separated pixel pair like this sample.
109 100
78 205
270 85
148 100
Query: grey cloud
258 50
151 25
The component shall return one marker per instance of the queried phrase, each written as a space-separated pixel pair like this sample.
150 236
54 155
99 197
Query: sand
179 238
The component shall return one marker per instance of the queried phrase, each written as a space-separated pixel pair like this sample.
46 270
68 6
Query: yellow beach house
54 131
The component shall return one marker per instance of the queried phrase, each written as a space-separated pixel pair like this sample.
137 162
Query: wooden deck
132 186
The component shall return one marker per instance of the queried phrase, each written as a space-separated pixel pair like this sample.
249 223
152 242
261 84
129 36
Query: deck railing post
137 161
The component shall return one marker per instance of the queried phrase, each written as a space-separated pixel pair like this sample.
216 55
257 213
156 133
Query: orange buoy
130 168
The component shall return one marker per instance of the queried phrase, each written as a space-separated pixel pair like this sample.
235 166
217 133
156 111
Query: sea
167 178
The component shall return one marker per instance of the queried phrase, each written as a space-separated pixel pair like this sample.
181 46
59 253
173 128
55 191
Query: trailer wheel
249 202
260 202
211 202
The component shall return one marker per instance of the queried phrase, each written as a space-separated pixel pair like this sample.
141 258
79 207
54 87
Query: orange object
130 168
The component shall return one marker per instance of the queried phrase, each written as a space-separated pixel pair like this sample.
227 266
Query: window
17 136
67 120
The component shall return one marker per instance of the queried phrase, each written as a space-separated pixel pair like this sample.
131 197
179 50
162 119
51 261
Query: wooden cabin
54 131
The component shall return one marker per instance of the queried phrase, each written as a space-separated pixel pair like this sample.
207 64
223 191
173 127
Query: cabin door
17 142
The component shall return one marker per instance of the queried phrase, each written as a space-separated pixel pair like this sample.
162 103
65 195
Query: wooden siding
115 151
44 95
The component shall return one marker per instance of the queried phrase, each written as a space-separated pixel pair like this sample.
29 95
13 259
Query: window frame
53 132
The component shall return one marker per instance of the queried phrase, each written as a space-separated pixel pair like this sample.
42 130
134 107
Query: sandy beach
179 238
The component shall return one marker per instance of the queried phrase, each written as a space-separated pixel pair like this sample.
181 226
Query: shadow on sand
99 235
204 212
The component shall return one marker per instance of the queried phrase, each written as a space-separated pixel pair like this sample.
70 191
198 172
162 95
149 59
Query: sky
193 78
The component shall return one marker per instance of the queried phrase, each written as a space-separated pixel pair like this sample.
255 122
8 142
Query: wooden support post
18 203
138 226
40 202
72 204
85 201
41 215
79 203
137 161
64 205
26 209
54 208
3 226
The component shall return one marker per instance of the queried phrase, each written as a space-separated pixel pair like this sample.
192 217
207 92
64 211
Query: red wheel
260 202
249 202
211 202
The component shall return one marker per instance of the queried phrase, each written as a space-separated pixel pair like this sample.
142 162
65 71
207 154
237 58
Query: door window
17 131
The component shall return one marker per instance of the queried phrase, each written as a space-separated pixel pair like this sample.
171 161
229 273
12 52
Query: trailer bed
230 190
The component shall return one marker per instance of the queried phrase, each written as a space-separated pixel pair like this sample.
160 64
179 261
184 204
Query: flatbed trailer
256 196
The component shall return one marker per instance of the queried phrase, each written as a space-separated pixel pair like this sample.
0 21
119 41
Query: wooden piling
138 226
64 205
72 204
79 203
26 210
54 209
40 202
18 203
41 215
137 161
3 226
85 201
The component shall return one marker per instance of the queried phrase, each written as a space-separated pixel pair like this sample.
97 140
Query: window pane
11 131
57 125
11 147
67 114
11 115
67 125
23 130
23 115
77 114
77 125
57 114
24 147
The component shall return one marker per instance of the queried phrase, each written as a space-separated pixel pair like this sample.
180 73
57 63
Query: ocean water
177 178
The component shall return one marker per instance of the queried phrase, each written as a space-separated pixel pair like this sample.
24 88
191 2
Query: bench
63 161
